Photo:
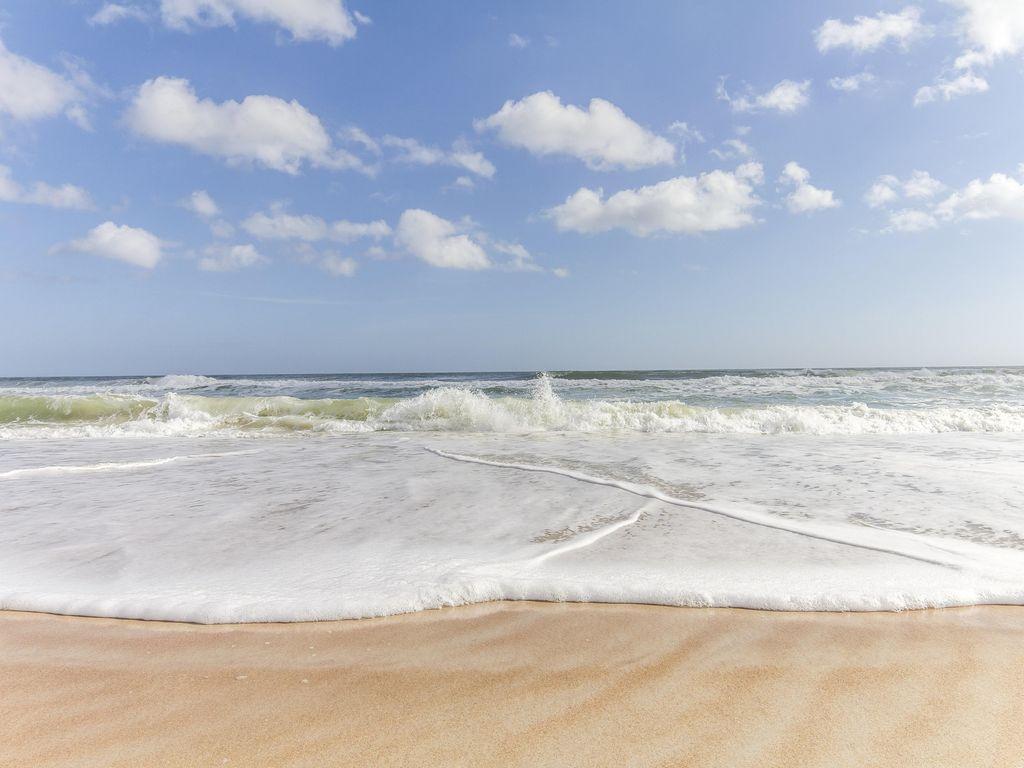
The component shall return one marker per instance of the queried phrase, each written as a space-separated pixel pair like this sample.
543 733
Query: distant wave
466 409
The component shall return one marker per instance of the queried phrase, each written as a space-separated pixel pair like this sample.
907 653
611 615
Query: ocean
287 498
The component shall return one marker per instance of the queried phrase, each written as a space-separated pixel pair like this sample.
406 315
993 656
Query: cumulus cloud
713 201
201 204
112 13
30 91
561 272
732 148
40 193
461 155
888 188
602 136
852 83
337 265
229 258
951 88
326 20
910 220
867 33
280 225
439 242
265 130
991 29
517 41
786 96
131 245
1000 197
805 197
686 132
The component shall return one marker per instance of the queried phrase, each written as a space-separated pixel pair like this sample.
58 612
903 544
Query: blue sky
268 186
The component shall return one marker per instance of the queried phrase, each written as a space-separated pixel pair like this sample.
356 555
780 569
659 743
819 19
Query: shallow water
452 494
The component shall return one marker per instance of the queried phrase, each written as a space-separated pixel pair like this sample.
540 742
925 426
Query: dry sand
521 684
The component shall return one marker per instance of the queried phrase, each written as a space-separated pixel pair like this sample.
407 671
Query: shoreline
520 683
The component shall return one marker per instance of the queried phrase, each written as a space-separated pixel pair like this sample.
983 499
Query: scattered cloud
306 20
131 245
30 91
439 242
464 182
113 13
230 258
805 197
337 265
461 155
731 149
201 204
262 130
786 96
948 89
868 33
888 188
602 136
714 201
362 18
40 193
685 132
1000 197
991 29
852 82
910 220
517 41
561 272
280 225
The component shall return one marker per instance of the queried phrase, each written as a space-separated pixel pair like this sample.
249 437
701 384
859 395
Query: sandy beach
520 684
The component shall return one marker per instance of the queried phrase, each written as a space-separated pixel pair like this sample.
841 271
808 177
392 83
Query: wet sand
520 684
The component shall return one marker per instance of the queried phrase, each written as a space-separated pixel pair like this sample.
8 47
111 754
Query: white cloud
439 242
278 134
602 135
805 197
949 89
278 225
518 41
785 96
228 258
733 148
326 20
362 18
464 182
132 245
112 13
922 184
866 33
201 204
713 201
460 156
521 260
357 135
853 82
991 28
909 220
561 272
685 132
888 188
40 193
222 229
1001 197
337 265
30 91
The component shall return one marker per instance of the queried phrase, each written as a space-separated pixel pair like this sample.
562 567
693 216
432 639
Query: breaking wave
465 409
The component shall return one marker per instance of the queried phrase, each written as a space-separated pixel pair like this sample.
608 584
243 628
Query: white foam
345 526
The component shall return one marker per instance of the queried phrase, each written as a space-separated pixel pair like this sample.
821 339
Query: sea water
285 498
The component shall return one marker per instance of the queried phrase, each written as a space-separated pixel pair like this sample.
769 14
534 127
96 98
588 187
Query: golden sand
520 684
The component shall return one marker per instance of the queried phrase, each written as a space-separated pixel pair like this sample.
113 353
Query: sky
243 186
